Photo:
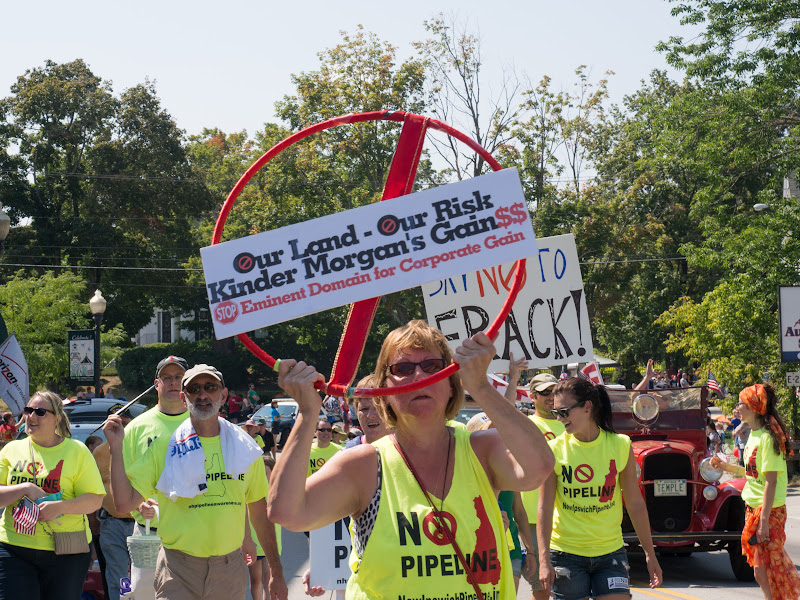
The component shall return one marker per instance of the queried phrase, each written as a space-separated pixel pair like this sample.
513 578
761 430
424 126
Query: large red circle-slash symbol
435 533
399 182
584 473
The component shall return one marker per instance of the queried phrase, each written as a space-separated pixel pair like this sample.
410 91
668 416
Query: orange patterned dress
784 581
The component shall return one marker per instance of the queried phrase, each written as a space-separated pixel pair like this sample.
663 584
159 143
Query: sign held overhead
365 252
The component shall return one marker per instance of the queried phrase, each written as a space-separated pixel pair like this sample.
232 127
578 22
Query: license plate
669 487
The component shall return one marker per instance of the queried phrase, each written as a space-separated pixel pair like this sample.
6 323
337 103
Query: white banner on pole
271 277
14 386
549 323
329 556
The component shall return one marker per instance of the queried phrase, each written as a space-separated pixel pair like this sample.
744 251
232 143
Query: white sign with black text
549 323
789 303
329 556
275 276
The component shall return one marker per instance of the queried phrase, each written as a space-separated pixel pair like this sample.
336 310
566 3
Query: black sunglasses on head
405 369
39 412
194 388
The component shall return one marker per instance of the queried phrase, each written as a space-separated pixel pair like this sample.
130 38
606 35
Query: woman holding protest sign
424 497
764 532
48 483
581 553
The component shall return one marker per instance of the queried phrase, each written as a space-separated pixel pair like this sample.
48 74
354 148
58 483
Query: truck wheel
741 570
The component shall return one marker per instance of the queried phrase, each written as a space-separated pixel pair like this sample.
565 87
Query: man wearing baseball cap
541 389
161 420
206 476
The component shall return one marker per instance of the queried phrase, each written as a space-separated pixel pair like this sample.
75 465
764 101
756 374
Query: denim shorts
583 576
516 567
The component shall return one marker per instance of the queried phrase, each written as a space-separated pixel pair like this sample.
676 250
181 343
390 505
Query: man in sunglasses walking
206 477
323 449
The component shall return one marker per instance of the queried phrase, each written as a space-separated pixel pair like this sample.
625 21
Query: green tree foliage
742 42
110 191
40 310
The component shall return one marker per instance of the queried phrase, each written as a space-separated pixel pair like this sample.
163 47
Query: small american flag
712 383
564 374
26 514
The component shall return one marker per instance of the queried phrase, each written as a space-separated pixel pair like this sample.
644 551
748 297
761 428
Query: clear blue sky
224 64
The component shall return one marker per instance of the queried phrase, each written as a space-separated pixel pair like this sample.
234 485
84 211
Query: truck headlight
710 492
638 471
709 473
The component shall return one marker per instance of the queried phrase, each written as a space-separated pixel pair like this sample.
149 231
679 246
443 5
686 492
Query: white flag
14 380
500 384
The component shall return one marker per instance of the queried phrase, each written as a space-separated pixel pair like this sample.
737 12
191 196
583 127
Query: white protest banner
275 276
14 387
329 556
549 323
789 303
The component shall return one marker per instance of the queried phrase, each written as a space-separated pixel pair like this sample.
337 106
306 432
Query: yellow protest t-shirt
407 556
319 456
587 519
551 429
760 458
140 433
68 467
212 523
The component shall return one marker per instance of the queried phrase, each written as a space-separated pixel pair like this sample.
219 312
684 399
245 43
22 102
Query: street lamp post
98 306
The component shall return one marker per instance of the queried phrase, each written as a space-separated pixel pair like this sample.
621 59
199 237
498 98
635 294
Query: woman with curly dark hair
764 493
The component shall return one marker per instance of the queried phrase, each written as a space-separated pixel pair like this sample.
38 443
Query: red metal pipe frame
381 115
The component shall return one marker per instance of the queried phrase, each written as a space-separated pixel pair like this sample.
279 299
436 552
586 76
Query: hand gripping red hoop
398 183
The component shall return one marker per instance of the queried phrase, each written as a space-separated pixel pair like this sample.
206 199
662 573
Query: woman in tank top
402 545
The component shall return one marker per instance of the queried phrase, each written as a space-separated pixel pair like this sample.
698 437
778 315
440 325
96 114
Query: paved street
703 576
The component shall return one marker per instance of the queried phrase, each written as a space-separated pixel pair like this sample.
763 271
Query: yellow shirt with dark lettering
408 556
212 523
551 429
67 467
140 433
587 519
319 456
760 457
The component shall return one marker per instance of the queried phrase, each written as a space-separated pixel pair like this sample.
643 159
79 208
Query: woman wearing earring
415 492
581 553
764 493
48 464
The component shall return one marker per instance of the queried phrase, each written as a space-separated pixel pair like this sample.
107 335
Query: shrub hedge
136 367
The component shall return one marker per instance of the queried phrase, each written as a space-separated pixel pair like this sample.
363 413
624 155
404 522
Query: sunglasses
564 412
405 369
39 412
544 393
326 429
194 388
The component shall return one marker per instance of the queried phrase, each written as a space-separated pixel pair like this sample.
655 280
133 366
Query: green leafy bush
136 367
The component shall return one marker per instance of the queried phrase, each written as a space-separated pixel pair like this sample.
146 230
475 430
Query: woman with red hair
764 493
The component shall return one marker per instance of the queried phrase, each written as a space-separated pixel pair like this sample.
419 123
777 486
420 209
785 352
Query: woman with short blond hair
424 492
